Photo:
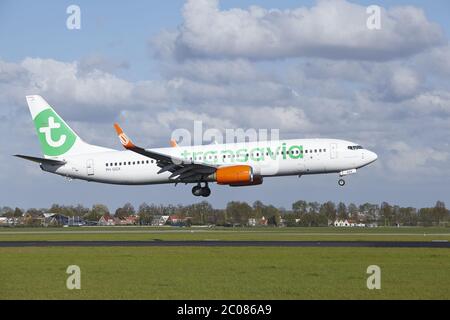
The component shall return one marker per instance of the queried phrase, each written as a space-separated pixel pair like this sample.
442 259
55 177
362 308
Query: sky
307 68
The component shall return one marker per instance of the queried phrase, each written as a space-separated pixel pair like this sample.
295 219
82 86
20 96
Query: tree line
301 213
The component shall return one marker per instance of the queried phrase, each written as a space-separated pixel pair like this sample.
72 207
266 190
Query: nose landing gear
341 182
198 190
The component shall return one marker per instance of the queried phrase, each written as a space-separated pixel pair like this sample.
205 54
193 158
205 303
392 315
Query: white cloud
436 60
400 83
432 103
213 71
332 29
63 81
404 158
99 62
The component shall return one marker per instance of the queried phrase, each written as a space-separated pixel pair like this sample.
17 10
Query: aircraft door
90 167
333 150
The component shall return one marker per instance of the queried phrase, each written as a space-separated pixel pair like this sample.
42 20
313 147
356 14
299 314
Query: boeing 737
232 164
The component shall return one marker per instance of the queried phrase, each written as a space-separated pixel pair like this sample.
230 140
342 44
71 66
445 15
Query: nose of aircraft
371 156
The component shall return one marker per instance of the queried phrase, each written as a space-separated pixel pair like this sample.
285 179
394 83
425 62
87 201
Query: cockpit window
355 147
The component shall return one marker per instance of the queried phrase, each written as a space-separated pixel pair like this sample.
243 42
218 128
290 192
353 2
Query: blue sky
37 28
400 108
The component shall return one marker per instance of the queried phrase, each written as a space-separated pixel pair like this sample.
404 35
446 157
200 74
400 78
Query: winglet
173 143
126 142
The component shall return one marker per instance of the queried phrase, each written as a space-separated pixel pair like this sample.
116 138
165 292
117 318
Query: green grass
224 273
281 234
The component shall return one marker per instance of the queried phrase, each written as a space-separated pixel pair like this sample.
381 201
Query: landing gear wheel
197 190
341 182
206 191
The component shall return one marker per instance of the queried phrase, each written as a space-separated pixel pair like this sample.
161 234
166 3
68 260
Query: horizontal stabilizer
41 160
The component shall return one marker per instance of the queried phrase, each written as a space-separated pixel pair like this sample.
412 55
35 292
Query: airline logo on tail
55 137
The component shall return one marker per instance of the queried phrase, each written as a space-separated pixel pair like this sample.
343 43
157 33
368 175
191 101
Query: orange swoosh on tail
126 142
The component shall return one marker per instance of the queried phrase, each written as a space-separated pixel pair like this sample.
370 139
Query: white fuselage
267 158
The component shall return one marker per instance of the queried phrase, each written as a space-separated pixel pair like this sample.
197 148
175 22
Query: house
76 221
55 219
128 221
159 220
253 222
174 219
348 223
106 220
361 225
341 223
3 221
263 221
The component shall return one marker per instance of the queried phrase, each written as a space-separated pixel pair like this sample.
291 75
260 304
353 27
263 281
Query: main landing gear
341 182
198 190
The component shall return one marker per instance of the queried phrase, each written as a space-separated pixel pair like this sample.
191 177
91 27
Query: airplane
232 164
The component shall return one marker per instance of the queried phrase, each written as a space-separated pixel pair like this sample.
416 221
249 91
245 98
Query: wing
182 170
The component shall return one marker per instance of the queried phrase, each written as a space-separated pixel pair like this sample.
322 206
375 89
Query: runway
217 243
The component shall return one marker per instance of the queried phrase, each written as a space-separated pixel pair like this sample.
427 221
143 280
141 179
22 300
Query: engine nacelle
234 175
256 180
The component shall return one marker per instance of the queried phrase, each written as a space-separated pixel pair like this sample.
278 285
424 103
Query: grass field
224 272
